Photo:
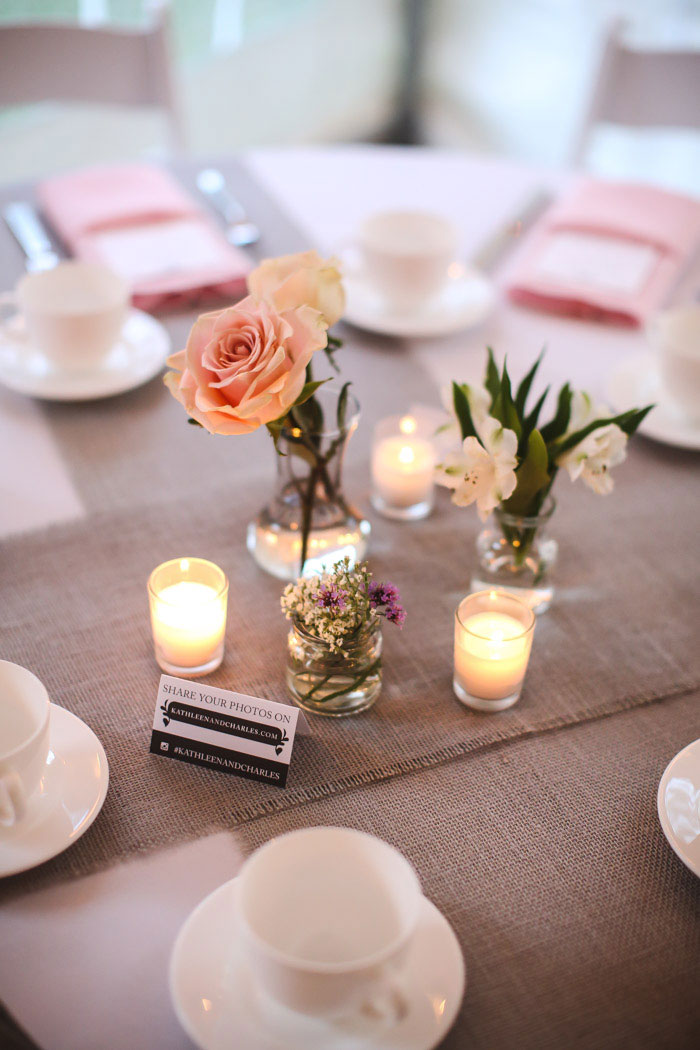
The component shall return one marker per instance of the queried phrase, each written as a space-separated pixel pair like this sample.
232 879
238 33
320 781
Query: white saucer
67 801
138 356
219 1005
466 300
678 803
636 382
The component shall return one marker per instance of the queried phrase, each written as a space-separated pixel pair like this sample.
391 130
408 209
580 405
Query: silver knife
507 235
31 235
239 229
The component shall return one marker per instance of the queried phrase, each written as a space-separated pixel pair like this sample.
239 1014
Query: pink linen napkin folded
607 251
138 220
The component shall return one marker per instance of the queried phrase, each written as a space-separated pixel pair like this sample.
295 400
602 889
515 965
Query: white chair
641 88
74 63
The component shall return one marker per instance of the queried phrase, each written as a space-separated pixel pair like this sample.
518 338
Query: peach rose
245 366
305 278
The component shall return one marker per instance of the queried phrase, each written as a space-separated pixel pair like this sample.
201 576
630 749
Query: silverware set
29 230
239 230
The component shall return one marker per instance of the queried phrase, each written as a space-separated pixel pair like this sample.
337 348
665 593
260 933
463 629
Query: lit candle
493 638
403 470
188 615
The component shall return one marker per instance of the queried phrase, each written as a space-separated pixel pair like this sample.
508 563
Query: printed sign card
222 730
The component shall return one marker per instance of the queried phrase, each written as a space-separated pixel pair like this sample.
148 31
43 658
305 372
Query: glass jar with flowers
251 365
334 664
507 464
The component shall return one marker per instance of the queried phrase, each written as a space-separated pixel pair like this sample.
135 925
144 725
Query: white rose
303 279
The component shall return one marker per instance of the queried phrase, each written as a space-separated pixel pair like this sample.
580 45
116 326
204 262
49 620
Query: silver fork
29 232
239 229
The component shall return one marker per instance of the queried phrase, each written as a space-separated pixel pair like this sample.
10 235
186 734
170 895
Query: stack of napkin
138 220
608 251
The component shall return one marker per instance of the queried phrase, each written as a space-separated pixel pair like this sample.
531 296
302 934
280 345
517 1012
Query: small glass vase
310 491
515 554
335 684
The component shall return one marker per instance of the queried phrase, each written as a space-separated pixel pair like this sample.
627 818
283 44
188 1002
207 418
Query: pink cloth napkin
139 221
637 241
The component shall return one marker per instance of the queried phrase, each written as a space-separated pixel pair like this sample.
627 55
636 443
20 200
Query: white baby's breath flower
592 459
482 473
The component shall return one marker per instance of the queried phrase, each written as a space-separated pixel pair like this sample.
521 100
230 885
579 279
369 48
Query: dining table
533 830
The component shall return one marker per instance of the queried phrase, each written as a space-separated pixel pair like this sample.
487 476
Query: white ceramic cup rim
370 236
110 298
34 682
322 968
664 341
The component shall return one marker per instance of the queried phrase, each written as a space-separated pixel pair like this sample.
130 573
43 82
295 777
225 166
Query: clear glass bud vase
515 554
309 494
334 683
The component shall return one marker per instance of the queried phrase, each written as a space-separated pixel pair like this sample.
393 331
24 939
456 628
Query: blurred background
513 77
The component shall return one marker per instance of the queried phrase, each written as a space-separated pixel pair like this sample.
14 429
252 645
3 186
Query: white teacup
675 336
327 915
24 739
406 255
73 313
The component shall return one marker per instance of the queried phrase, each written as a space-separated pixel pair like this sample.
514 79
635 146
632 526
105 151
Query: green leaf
525 385
558 424
530 422
194 423
329 352
532 418
636 418
504 408
308 390
626 421
275 427
533 476
342 405
492 380
463 412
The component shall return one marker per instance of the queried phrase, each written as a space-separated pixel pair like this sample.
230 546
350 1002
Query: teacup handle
349 253
9 300
12 801
390 1003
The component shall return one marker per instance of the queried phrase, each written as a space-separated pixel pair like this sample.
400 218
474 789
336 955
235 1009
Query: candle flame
407 425
406 454
184 565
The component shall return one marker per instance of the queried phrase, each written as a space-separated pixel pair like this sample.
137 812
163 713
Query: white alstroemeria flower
592 459
479 402
447 437
482 473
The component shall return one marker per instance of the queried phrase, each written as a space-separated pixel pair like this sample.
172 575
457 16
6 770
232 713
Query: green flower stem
307 511
354 684
321 682
307 489
520 540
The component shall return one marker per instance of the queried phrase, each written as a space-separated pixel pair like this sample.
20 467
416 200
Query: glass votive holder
187 598
493 638
403 469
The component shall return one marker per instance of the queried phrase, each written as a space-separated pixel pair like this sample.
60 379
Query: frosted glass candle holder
403 469
188 598
493 638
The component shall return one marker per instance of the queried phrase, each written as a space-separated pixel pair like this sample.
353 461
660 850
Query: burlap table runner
578 923
74 609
